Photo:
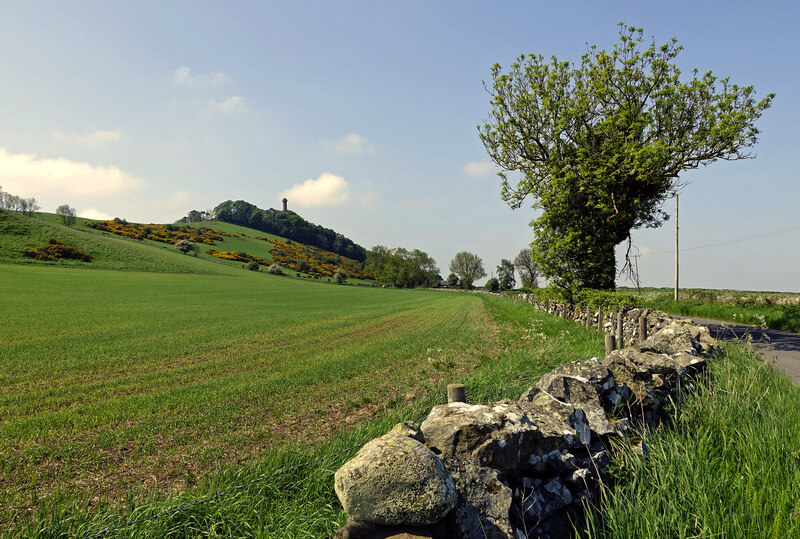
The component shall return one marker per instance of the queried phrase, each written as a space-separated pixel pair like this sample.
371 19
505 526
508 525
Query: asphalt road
780 348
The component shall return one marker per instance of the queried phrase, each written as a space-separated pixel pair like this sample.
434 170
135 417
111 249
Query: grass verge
727 466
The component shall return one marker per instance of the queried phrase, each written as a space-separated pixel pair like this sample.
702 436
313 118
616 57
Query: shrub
186 247
340 276
275 269
252 266
56 250
492 285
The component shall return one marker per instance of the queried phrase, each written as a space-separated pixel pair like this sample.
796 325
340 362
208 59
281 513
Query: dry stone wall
515 468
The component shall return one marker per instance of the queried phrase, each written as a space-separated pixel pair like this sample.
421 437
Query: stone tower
284 204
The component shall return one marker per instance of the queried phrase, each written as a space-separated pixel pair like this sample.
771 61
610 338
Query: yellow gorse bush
161 233
321 263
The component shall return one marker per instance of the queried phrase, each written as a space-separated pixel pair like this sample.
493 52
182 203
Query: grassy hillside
109 251
18 233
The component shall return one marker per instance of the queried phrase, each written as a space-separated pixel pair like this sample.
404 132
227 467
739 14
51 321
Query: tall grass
727 466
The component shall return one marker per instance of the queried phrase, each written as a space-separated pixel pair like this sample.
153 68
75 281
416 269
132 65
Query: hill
288 224
119 245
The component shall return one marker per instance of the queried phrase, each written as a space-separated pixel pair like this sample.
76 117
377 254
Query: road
779 348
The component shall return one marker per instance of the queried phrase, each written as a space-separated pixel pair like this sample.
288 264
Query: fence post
610 344
620 334
588 317
642 329
600 324
456 393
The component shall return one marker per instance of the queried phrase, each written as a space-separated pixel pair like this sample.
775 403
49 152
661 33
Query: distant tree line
196 216
402 268
289 225
14 203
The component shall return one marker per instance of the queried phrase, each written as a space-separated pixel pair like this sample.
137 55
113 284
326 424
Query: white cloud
27 175
184 75
233 104
478 169
351 143
93 138
327 190
94 213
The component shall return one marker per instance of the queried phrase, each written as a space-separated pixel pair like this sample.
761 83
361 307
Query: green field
124 392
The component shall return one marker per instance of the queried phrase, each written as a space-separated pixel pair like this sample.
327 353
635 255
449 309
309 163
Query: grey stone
545 500
499 435
394 480
484 503
410 429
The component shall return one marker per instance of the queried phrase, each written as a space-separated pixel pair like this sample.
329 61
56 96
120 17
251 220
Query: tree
402 268
505 275
492 285
66 214
186 247
527 269
599 146
340 276
468 267
452 280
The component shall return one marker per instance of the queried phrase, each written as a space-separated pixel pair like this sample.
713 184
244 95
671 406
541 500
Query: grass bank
128 394
766 314
727 466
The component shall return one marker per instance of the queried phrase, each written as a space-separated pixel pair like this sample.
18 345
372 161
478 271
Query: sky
364 116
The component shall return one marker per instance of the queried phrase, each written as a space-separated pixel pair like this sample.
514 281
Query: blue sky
364 115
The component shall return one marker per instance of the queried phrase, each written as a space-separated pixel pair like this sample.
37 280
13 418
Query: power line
728 242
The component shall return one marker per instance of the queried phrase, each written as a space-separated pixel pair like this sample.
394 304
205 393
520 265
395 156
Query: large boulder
394 480
498 435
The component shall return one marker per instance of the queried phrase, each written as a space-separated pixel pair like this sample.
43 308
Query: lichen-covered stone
410 429
499 435
562 425
395 480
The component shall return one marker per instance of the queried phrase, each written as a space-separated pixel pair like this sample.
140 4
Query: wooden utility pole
676 246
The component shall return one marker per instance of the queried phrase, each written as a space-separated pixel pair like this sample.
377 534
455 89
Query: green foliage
56 250
452 280
252 265
599 146
607 299
340 276
492 285
66 214
505 275
288 225
402 268
275 269
527 268
468 267
186 247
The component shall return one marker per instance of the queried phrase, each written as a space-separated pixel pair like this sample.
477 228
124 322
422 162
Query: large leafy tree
402 268
527 268
599 146
505 275
468 267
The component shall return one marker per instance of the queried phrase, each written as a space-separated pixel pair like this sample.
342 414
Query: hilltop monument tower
284 204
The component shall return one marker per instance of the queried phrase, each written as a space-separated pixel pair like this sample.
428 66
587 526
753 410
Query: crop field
146 378
116 379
